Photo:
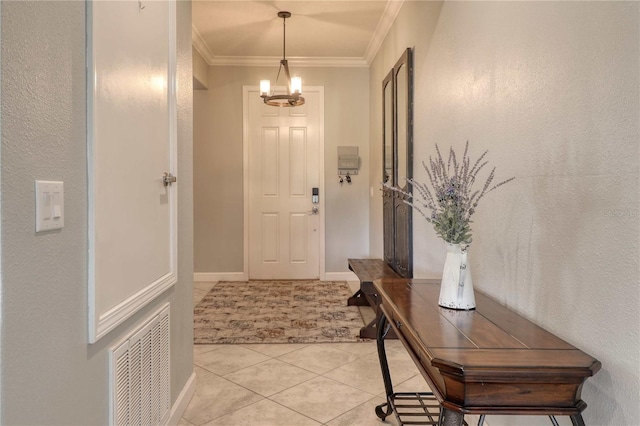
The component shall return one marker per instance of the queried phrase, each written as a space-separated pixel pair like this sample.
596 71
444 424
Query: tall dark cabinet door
397 137
388 168
403 99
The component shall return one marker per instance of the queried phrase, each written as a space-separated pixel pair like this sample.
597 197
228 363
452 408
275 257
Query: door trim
246 90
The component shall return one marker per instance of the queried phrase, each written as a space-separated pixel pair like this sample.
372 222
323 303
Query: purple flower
448 194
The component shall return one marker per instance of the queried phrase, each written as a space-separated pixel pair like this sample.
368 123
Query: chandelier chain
284 38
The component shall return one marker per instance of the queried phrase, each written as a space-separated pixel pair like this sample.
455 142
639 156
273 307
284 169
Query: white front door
285 158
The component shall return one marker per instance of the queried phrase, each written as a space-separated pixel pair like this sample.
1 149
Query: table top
369 270
488 360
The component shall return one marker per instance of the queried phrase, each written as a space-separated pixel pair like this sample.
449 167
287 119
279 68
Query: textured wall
49 374
552 90
218 165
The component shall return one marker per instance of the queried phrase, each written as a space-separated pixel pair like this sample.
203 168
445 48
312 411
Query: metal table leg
384 409
577 420
405 403
450 417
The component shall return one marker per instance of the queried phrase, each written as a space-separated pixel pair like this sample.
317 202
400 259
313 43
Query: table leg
358 299
577 420
450 418
383 329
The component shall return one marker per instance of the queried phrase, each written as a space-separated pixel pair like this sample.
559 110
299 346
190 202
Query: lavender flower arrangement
449 198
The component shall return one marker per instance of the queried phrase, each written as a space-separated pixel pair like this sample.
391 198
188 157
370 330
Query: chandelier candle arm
294 84
265 87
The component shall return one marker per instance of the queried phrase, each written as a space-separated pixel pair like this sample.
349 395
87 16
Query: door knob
314 210
168 179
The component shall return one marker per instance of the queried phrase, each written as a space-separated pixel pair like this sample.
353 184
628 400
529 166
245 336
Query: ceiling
319 32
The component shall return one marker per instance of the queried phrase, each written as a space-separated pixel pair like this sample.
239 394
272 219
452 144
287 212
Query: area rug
277 312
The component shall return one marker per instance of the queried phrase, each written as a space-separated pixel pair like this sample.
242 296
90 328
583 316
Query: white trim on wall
220 276
1 287
391 11
201 46
179 407
387 19
340 276
295 61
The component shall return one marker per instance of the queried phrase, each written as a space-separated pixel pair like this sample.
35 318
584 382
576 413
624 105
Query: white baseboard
182 401
241 276
219 276
340 276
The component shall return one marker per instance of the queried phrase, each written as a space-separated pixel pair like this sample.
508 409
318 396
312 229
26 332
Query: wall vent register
139 376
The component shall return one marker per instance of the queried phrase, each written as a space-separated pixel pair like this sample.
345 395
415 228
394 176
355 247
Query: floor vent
140 375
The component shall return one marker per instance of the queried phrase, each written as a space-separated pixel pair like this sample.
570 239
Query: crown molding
384 25
297 61
387 19
201 46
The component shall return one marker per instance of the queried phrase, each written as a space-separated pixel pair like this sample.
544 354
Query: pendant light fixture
294 84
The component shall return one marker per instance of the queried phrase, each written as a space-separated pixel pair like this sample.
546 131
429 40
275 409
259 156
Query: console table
486 361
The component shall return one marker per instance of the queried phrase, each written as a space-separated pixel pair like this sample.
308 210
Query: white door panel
284 161
132 142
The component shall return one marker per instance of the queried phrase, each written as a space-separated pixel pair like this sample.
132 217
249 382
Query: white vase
456 289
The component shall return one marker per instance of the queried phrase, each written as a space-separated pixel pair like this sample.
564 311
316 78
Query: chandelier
294 84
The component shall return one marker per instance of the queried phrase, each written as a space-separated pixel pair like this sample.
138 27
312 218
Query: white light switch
49 205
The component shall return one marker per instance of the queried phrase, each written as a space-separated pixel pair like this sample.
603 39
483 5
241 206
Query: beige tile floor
336 384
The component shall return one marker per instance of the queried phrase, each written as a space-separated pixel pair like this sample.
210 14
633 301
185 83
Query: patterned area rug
277 312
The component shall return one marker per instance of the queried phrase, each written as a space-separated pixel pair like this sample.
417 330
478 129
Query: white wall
0 208
218 164
552 90
49 373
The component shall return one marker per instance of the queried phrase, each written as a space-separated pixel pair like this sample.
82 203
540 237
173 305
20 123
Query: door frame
255 91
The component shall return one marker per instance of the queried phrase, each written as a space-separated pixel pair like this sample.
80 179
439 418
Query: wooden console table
486 361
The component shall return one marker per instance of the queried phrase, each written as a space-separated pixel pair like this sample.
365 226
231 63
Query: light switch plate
49 205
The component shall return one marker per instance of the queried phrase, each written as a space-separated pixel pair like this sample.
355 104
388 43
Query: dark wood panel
388 226
532 335
369 270
403 262
469 323
427 325
479 330
515 360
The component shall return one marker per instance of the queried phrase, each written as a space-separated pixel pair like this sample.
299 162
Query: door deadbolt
168 179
